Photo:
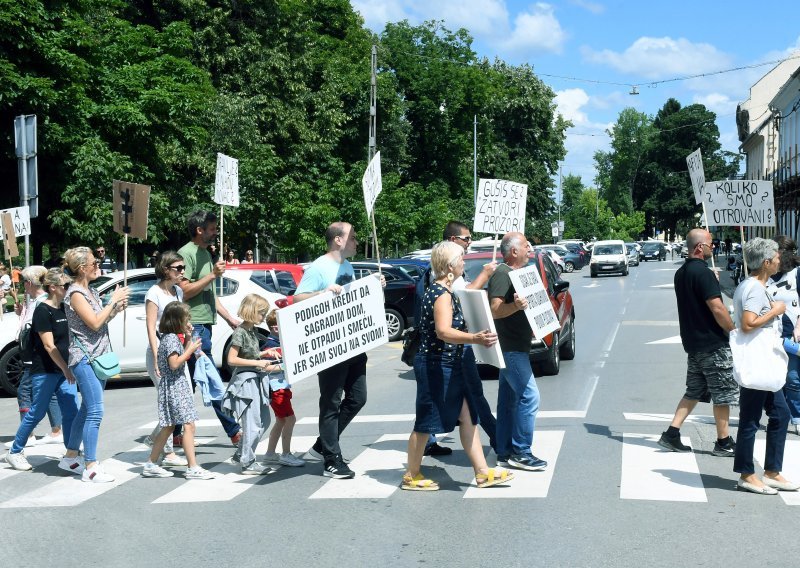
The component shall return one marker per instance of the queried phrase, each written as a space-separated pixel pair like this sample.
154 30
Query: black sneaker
673 444
528 463
337 469
726 449
437 450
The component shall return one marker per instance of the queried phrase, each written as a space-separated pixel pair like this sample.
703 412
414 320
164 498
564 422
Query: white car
232 287
608 257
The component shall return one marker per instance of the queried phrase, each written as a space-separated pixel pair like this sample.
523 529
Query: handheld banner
21 220
528 284
478 316
131 209
226 183
743 203
694 161
371 182
9 237
500 207
327 329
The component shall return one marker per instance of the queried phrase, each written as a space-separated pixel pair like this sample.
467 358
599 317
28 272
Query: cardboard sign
500 207
478 315
226 183
9 237
695 163
20 218
327 329
528 284
131 208
371 182
743 202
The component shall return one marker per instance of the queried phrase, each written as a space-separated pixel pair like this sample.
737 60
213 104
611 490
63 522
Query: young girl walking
175 399
280 401
247 396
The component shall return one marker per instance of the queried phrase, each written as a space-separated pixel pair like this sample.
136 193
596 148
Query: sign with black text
226 182
500 207
694 162
528 284
21 220
741 202
329 328
371 183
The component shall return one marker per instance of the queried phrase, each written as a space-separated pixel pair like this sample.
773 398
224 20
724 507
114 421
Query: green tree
590 218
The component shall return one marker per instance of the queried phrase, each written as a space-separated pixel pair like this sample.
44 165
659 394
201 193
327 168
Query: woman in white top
169 271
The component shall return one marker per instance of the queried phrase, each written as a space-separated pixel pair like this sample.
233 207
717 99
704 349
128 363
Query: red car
547 353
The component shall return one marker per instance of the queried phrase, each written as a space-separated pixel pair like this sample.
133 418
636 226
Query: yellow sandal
418 483
493 477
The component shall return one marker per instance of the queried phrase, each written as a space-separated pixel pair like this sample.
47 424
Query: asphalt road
610 497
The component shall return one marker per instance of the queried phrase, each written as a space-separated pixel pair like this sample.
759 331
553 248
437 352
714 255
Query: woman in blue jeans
754 309
88 324
49 371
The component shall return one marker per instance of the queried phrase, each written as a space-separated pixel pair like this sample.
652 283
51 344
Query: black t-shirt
513 332
694 284
47 318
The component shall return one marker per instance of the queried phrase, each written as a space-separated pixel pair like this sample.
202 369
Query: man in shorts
705 324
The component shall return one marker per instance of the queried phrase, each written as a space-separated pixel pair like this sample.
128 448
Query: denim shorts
709 376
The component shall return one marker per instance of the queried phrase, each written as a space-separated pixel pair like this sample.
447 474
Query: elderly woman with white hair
443 399
753 310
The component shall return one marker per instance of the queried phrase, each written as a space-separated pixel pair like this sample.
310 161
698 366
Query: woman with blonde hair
443 399
88 324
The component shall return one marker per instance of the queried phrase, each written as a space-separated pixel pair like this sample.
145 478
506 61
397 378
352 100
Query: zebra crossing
647 473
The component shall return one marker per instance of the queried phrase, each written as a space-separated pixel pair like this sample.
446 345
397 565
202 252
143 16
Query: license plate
606 267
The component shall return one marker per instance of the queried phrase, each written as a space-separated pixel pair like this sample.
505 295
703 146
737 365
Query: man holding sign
518 394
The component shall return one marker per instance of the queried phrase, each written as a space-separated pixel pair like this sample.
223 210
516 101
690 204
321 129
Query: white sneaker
256 468
153 470
96 475
199 473
72 465
174 461
50 439
272 458
18 461
291 460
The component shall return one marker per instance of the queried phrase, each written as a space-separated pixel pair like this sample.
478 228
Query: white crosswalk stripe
791 466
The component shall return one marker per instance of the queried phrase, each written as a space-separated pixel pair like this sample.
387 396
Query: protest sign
478 316
500 207
329 328
695 163
131 208
226 183
528 284
9 237
743 202
21 220
371 182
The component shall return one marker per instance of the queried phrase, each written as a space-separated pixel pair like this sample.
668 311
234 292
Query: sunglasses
179 268
466 239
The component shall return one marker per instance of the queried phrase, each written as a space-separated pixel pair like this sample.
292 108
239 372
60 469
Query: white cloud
535 31
718 103
592 7
377 12
659 58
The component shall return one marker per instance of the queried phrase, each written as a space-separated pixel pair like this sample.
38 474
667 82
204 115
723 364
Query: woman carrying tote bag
754 311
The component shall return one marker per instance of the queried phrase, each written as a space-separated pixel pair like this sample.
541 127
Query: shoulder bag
105 366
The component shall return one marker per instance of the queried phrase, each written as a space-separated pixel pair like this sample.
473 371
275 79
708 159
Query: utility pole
560 197
373 111
475 160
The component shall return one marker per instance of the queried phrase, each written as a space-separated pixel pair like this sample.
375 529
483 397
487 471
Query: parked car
578 248
557 261
399 295
414 267
232 287
280 278
609 257
572 261
547 353
422 254
633 254
653 250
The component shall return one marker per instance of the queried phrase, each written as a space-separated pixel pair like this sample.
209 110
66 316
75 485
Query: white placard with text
226 182
371 182
739 203
500 207
20 218
528 284
694 162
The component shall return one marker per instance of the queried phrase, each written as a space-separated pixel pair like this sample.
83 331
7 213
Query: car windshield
98 282
651 246
607 249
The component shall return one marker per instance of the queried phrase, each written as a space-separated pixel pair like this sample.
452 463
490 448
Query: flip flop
418 483
494 476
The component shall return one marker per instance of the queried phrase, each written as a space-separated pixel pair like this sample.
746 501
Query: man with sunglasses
106 263
704 326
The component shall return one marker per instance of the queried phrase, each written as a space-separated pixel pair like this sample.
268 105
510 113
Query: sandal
418 483
493 477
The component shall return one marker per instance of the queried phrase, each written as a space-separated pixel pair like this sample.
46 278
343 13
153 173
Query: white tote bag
759 361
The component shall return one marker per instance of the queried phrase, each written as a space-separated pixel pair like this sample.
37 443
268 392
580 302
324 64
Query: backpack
411 335
25 338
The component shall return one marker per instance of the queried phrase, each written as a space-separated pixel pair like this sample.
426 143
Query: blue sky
616 41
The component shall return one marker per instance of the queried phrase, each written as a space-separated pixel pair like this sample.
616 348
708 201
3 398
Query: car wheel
551 365
625 273
594 274
11 370
568 346
569 267
395 324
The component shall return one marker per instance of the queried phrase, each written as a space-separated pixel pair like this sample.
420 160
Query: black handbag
411 340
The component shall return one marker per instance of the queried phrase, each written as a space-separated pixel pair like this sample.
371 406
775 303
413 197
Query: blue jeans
45 385
25 400
86 426
517 405
751 404
231 427
792 388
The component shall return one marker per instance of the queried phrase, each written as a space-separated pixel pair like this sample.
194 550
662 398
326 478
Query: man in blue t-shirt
330 272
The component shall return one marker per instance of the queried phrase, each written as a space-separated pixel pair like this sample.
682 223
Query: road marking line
663 286
674 340
202 423
651 323
367 419
379 472
527 484
791 466
692 419
651 473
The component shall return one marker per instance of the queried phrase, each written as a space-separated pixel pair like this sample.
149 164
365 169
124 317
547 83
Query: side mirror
561 285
